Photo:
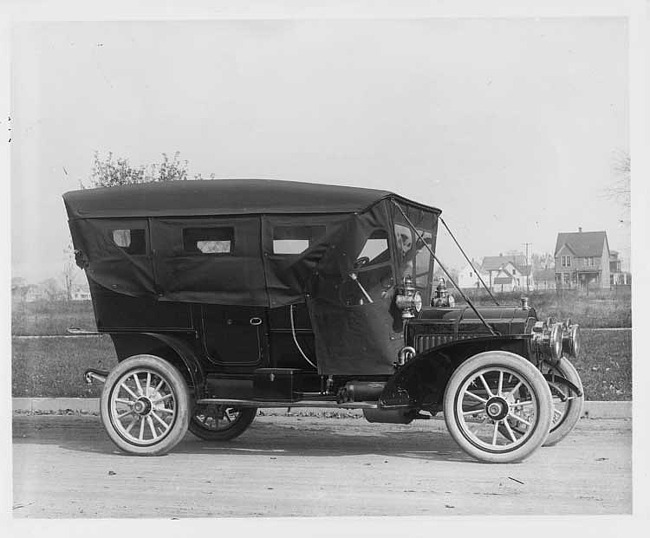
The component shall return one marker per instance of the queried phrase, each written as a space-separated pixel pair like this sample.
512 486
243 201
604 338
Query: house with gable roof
507 273
469 277
617 277
582 260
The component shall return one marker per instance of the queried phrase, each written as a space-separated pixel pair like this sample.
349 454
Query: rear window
131 241
209 240
295 239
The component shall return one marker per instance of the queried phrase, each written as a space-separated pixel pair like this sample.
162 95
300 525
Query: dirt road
65 466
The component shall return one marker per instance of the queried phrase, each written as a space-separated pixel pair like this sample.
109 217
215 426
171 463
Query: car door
214 262
234 335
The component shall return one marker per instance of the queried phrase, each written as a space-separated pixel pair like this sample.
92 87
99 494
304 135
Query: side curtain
293 247
233 275
356 337
122 269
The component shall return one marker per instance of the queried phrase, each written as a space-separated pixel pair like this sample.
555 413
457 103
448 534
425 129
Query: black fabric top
344 260
222 197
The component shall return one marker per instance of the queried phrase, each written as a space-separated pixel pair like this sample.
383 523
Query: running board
299 403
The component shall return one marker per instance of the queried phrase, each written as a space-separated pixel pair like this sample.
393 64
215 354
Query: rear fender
421 382
166 347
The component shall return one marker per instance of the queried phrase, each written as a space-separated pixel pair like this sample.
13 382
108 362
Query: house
468 277
80 293
617 277
35 293
507 273
582 260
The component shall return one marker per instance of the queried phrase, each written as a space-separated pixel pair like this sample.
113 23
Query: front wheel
563 380
220 422
145 405
486 395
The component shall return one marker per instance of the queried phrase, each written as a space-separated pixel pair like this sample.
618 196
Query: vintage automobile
225 296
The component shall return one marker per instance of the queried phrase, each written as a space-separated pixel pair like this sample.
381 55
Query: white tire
486 395
145 405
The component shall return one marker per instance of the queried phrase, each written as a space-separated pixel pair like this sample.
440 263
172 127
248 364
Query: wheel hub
142 406
497 408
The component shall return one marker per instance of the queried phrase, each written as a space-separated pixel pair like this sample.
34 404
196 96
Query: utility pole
528 267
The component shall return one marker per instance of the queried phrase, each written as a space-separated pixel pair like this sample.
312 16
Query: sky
511 126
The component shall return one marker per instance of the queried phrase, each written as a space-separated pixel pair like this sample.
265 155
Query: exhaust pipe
360 391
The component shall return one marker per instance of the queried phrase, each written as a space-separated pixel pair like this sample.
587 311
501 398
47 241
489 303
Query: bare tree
52 289
70 272
620 190
20 288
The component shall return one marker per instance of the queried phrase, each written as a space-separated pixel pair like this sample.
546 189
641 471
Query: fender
555 378
421 382
131 344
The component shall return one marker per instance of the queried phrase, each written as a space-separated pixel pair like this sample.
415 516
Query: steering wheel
364 260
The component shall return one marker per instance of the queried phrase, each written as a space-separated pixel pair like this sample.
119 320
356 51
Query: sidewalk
91 405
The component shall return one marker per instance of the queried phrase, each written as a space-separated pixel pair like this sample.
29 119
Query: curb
607 410
595 410
53 405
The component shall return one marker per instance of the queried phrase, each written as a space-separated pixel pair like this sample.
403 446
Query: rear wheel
486 395
145 405
220 422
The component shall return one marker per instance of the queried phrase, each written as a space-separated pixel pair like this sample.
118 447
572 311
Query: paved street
65 467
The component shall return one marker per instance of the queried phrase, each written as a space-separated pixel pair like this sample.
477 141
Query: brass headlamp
408 299
553 339
571 338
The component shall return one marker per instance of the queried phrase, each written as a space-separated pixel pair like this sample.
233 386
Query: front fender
421 382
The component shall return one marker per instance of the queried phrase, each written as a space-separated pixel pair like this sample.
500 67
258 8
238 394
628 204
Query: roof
223 197
494 263
582 244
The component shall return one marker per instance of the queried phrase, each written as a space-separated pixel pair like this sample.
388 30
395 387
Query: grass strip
54 367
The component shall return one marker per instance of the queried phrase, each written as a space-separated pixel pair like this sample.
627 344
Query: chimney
580 229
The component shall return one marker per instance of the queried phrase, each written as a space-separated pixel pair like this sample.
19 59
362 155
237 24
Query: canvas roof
223 197
582 244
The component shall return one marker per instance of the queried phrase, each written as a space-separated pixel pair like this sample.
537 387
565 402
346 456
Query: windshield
412 255
414 258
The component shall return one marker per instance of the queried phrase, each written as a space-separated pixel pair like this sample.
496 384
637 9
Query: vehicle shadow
322 439
277 442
